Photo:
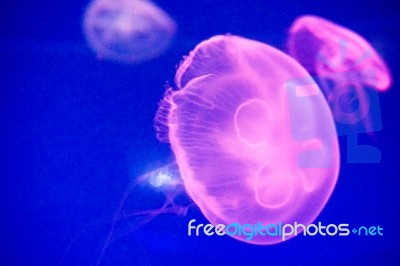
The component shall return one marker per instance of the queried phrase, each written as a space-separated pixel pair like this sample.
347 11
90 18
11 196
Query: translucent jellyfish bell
325 49
350 73
130 31
253 136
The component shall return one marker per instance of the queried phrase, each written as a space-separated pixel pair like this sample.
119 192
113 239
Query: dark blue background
75 131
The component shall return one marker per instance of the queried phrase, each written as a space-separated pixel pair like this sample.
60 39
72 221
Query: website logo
280 230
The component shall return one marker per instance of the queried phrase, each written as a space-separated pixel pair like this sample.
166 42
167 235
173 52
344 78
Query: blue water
75 131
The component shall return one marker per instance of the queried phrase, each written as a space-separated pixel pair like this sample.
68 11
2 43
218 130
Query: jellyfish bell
349 71
326 49
165 180
128 31
160 179
252 135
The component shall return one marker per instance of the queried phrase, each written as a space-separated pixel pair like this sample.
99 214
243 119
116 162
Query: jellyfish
158 191
252 134
128 31
350 72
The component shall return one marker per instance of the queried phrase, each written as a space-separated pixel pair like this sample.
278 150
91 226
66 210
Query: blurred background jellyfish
252 134
350 72
129 31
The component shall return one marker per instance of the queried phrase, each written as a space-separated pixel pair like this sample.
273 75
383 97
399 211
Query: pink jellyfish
130 31
325 49
252 134
345 64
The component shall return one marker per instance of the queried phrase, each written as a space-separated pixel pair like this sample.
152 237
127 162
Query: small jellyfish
326 49
252 134
129 31
158 191
350 73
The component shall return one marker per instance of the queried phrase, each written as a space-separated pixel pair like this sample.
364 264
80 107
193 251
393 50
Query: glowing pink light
345 64
252 134
129 31
325 49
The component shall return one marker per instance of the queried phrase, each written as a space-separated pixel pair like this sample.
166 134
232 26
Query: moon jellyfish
325 48
157 192
252 134
130 31
350 73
